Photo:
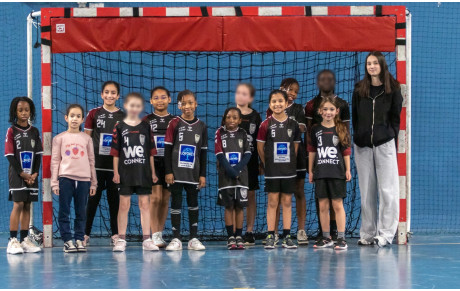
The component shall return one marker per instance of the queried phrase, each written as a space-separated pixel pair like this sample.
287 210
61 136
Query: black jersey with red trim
24 145
187 141
158 125
101 123
233 145
311 110
279 138
133 145
329 151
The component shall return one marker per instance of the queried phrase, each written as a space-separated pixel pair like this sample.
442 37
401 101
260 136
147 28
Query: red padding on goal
402 211
47 213
402 164
251 33
298 33
137 34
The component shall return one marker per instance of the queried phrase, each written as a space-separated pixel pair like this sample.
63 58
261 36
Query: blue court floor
427 262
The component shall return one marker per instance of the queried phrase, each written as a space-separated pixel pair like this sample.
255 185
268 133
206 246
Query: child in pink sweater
73 176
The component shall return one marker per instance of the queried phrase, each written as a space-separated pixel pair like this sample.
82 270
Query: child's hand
169 179
202 183
31 181
116 178
348 175
310 177
26 177
154 178
56 191
92 192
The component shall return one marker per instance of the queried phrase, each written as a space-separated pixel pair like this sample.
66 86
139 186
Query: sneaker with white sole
69 247
288 243
86 240
302 238
29 247
149 245
158 240
113 239
380 241
195 245
277 238
80 246
365 242
14 247
120 245
174 245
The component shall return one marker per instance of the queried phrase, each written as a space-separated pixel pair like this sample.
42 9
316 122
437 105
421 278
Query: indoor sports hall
59 54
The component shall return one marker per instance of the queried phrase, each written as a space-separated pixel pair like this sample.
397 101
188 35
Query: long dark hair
340 126
227 111
389 82
14 107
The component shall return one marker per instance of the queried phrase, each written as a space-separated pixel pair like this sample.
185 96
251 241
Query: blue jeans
78 191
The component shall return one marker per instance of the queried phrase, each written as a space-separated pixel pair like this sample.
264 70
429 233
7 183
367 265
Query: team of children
161 155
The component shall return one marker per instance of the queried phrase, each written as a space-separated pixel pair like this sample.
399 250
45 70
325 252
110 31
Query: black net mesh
213 76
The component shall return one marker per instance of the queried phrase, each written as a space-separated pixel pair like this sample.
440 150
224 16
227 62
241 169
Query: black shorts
23 195
233 197
253 173
286 185
160 172
330 188
131 190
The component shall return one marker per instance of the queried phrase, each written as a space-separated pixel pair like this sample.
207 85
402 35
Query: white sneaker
148 245
14 247
158 240
195 245
365 242
113 239
302 238
174 245
120 245
29 247
86 240
380 241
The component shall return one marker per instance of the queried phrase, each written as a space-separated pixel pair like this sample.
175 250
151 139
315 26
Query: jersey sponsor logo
134 155
186 156
142 139
233 158
240 142
160 145
335 140
105 142
26 161
197 138
289 132
282 152
252 128
328 155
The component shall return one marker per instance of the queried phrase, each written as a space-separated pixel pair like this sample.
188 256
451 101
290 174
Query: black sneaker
288 243
240 243
270 242
80 247
231 243
323 242
69 247
249 239
341 244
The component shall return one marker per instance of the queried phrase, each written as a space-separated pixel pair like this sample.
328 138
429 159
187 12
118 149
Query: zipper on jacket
373 115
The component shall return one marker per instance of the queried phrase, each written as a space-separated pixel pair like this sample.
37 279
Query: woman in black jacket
376 109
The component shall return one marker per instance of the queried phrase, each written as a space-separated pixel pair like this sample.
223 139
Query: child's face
232 120
110 95
373 66
23 111
243 96
133 107
74 118
188 105
292 92
326 82
328 111
160 100
277 103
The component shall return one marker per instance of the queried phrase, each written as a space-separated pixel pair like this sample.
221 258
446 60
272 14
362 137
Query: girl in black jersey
233 153
250 122
277 143
159 200
133 148
329 168
23 149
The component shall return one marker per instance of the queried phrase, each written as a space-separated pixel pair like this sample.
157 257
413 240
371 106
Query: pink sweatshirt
72 157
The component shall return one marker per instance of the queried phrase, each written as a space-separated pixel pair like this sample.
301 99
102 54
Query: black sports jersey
159 124
311 110
251 123
187 141
101 122
133 145
279 138
233 145
329 151
24 145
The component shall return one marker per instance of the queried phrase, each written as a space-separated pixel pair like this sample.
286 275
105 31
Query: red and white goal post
225 29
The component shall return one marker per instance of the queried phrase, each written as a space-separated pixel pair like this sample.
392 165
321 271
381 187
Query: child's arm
261 138
260 150
92 163
297 138
347 167
89 123
311 147
55 162
152 167
203 157
114 152
169 140
116 174
153 152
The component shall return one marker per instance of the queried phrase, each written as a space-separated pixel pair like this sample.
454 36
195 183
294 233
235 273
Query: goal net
76 75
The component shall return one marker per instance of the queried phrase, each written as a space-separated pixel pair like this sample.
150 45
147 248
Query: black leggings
176 208
104 182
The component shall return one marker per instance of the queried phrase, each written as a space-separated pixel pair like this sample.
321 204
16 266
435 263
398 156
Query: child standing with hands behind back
73 176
